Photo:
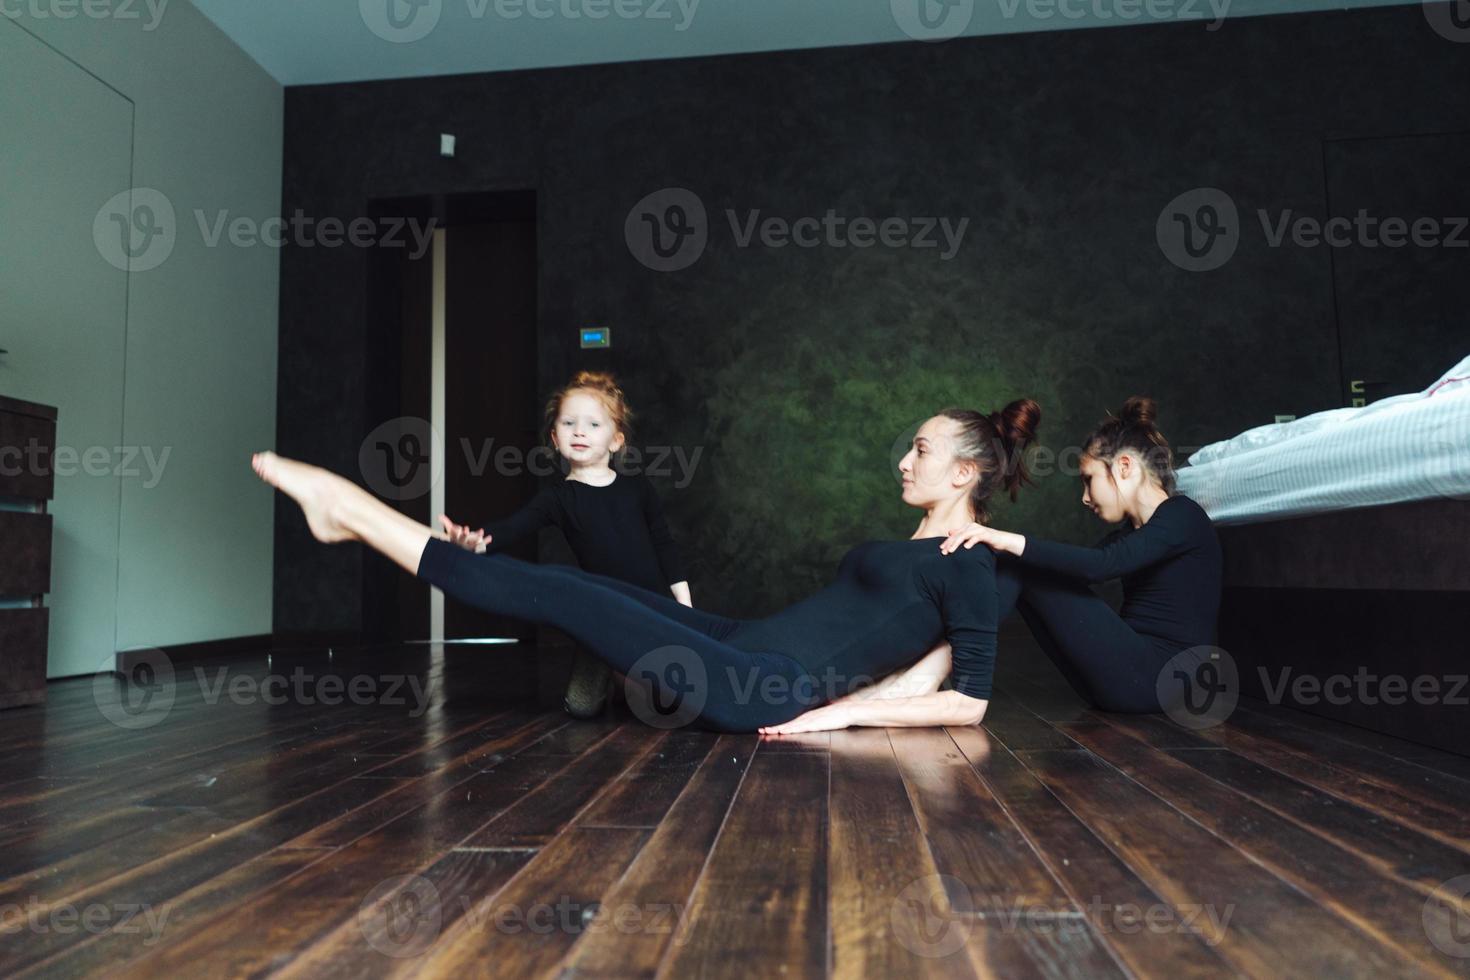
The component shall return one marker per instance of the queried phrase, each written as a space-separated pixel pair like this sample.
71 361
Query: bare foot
318 491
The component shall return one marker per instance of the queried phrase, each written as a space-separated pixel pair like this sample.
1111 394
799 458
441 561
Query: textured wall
793 369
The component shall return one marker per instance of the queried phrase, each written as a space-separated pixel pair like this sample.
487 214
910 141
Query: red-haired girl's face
583 431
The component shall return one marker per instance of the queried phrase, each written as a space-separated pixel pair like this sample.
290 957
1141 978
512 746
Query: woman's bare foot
319 492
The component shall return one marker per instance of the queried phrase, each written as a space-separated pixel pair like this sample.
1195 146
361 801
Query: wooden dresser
27 482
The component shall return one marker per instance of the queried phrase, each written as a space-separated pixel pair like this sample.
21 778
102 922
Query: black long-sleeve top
1170 567
891 603
618 530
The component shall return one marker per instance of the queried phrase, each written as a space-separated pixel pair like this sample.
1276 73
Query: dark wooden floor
222 835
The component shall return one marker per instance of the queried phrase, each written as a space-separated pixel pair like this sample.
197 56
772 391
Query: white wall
198 366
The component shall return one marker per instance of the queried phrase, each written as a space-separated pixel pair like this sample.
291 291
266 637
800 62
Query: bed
1409 447
1346 540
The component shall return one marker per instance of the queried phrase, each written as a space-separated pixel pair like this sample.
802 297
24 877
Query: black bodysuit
618 530
1171 573
891 603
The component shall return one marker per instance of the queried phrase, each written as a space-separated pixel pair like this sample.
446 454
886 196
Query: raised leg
338 510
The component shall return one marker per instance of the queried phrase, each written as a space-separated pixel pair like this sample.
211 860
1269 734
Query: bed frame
1359 596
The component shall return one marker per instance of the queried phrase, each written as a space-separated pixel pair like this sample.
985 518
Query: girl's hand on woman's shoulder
973 534
968 536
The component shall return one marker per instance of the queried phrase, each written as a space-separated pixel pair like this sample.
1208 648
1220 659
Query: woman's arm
923 711
923 676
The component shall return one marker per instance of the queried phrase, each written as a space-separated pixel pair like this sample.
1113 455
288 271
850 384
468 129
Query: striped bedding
1409 447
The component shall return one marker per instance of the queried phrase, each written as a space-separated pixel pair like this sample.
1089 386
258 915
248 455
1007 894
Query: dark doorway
491 410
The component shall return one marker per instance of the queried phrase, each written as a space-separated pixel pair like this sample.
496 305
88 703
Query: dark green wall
794 370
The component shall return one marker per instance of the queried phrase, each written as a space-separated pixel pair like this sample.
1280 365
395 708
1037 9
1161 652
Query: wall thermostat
596 337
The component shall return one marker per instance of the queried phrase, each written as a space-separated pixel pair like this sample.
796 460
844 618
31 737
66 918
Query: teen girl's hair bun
1139 410
1134 430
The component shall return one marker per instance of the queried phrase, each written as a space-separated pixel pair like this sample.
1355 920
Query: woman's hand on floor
827 718
461 535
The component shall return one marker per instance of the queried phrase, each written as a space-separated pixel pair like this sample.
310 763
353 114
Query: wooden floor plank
889 911
760 908
1339 879
1265 926
975 844
662 879
1150 936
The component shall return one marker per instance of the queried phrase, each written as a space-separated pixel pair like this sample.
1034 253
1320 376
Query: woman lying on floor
1166 553
895 610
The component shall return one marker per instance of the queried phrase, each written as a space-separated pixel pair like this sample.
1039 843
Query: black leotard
891 603
616 530
1170 567
1171 572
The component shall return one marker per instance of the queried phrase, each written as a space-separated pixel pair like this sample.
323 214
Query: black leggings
674 655
1101 656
